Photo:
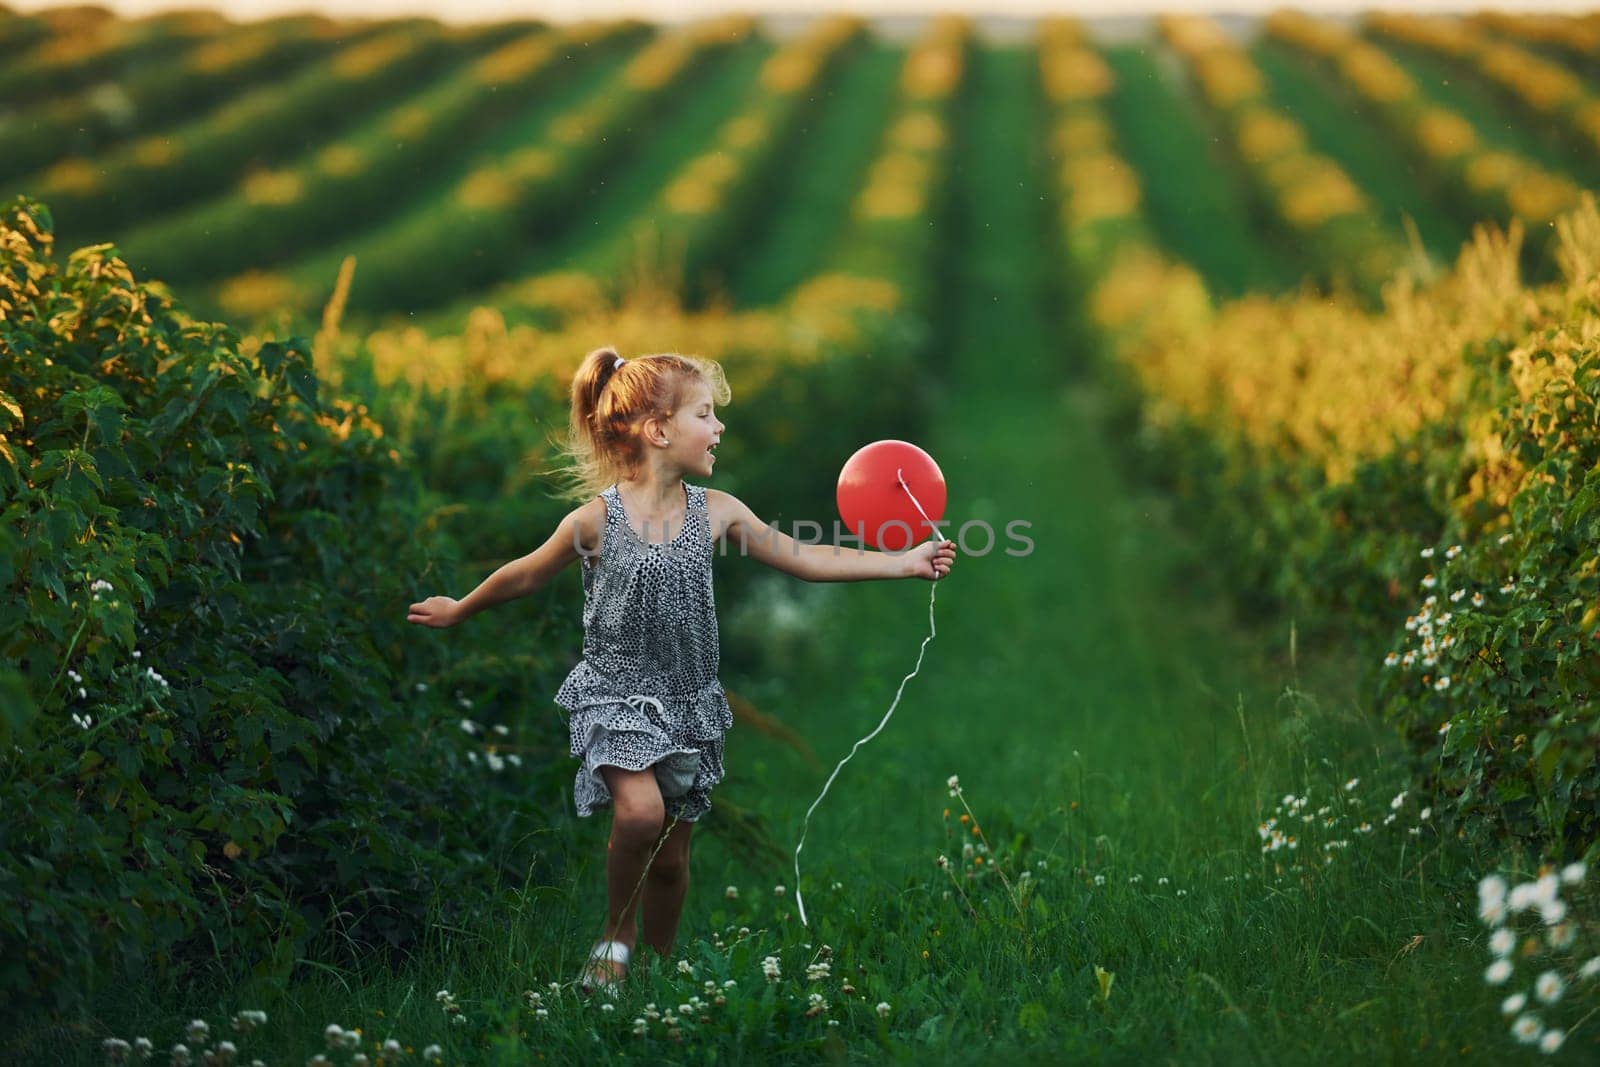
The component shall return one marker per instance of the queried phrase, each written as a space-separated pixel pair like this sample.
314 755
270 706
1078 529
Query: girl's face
695 430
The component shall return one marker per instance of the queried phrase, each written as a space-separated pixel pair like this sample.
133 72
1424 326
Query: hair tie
618 364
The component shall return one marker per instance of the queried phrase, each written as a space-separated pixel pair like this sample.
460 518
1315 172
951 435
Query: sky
681 10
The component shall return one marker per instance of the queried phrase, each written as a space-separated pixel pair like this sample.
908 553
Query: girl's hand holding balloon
931 559
437 611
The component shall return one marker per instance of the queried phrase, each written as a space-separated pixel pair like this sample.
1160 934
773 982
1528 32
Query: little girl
647 711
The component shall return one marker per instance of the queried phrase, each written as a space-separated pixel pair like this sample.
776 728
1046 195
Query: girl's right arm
579 530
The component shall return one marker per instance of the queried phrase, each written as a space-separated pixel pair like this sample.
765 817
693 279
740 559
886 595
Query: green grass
828 166
1193 195
1339 128
1106 717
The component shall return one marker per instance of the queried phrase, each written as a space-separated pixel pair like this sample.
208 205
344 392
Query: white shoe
594 977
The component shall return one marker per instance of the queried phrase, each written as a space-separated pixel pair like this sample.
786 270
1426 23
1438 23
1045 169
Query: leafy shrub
1501 694
215 746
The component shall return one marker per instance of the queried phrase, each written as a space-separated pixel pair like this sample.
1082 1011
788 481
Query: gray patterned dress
646 692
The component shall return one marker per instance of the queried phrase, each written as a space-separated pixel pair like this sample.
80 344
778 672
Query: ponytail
611 397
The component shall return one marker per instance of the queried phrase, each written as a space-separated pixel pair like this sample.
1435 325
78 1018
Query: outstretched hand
436 611
931 559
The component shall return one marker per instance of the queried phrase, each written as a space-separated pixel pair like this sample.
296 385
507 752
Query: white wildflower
1526 1029
1551 1041
1549 987
1513 1004
1502 941
883 1009
1498 972
1572 873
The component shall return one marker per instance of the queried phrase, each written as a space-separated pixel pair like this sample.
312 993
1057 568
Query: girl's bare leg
665 886
636 821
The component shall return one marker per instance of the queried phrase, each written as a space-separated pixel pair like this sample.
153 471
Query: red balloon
877 505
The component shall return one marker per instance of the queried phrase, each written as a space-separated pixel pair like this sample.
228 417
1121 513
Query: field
1279 332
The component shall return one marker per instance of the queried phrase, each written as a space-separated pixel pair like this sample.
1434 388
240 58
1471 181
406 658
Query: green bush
221 740
1505 720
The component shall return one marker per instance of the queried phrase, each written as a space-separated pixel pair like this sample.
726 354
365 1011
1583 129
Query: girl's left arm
814 562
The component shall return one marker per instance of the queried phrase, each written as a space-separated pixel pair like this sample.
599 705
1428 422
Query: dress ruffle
699 716
680 737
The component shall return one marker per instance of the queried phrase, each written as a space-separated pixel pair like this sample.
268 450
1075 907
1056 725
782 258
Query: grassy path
1099 714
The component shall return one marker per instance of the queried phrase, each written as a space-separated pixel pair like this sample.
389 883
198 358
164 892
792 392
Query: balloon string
932 632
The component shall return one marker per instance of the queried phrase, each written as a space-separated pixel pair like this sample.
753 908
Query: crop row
843 309
1577 41
365 176
1306 193
490 213
1487 183
1548 89
163 171
705 206
97 51
157 94
886 257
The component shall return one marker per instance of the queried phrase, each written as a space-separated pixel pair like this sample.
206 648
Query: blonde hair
609 406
